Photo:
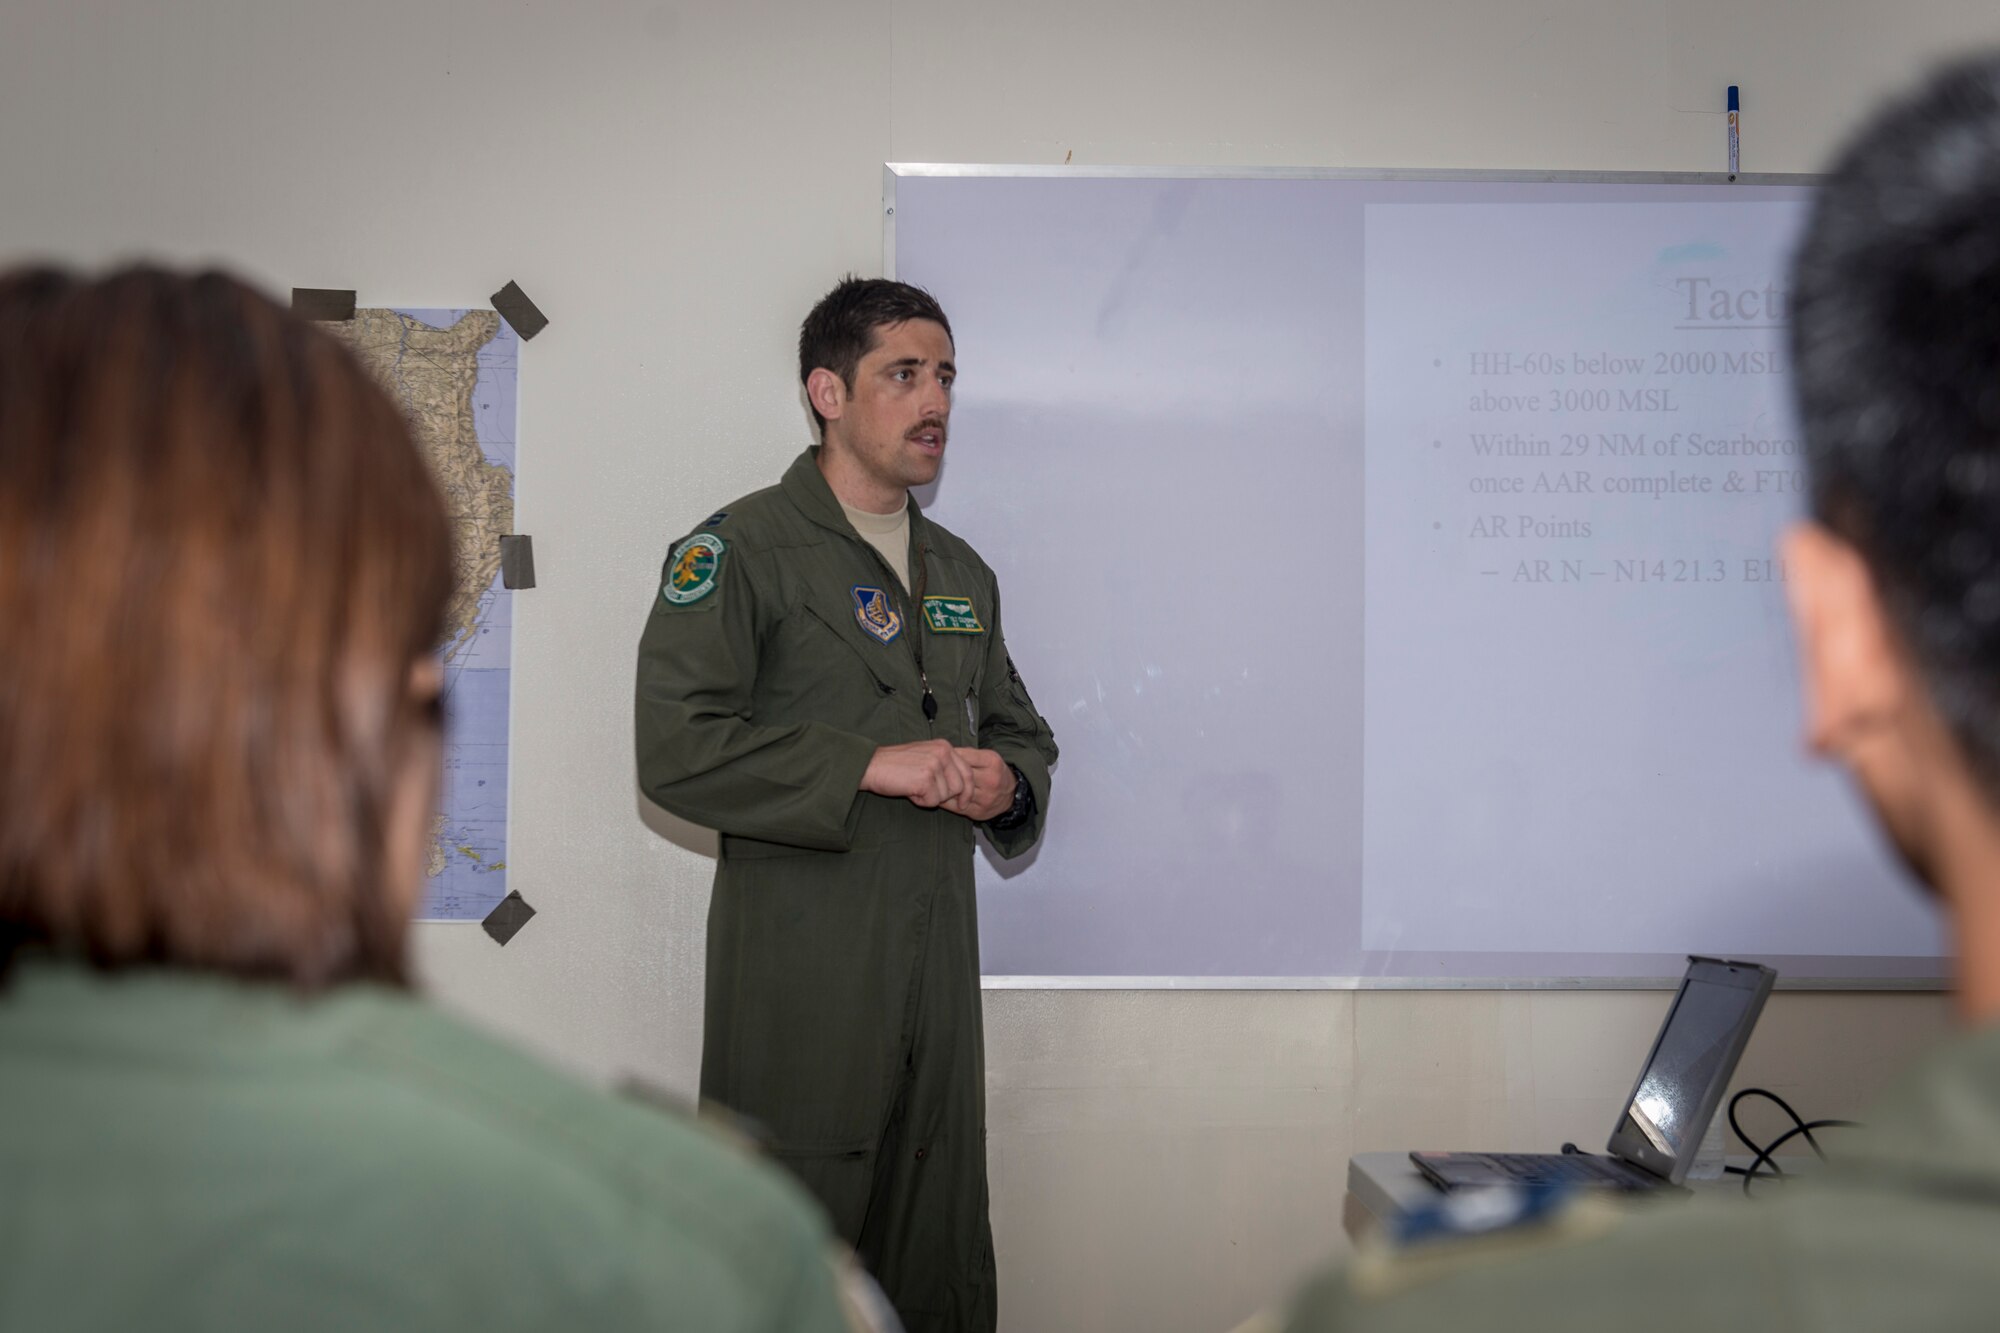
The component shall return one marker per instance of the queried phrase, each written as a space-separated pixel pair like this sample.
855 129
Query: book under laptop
1680 1086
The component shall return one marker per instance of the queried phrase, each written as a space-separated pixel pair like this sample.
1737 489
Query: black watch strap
1023 808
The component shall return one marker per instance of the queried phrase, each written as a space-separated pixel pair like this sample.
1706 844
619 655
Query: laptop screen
1690 1065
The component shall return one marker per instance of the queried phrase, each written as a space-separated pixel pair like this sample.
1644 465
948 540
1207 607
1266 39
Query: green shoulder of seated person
184 1151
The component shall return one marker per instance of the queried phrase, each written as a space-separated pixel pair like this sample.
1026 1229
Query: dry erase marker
1734 145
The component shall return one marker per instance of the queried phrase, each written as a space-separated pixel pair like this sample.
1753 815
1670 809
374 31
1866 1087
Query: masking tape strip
517 561
323 303
515 307
506 920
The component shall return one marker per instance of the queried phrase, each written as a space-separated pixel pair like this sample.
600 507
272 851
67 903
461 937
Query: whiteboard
1393 558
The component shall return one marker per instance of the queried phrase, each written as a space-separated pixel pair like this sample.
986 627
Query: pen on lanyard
1734 142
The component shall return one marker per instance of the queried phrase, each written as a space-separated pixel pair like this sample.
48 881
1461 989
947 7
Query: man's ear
827 394
1855 676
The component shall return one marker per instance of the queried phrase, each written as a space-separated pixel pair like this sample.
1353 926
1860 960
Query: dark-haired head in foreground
223 566
1894 583
1896 362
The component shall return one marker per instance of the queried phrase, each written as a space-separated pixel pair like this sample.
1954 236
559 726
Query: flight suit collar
184 1015
805 486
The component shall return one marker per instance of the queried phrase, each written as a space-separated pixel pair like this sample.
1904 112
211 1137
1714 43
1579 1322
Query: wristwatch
1021 811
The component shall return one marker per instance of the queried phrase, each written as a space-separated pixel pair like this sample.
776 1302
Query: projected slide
1579 454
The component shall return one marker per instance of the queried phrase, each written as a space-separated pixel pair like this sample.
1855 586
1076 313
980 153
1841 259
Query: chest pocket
842 645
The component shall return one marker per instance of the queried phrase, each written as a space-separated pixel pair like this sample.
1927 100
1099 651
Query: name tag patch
952 615
877 614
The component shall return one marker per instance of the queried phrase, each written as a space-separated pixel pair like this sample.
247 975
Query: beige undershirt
887 533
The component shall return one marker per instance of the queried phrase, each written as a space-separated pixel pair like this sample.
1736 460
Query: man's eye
946 380
902 374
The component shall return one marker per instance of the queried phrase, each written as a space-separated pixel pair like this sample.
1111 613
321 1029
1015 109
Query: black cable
1764 1154
1782 1104
1800 1126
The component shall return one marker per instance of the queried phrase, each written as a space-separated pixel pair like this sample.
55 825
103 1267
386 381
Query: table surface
1383 1186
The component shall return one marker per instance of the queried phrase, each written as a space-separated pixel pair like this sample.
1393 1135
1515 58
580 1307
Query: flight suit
843 1006
1899 1231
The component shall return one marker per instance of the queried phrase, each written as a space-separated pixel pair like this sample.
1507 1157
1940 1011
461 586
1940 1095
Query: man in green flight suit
1895 591
822 679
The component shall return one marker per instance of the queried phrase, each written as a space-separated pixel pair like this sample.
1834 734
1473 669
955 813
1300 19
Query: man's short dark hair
842 328
1895 343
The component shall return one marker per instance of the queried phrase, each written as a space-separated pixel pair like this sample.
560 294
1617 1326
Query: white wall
675 183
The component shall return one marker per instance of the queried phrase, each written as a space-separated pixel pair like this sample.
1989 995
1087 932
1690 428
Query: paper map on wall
454 372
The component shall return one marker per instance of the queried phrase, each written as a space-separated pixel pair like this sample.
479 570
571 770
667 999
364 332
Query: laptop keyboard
1531 1168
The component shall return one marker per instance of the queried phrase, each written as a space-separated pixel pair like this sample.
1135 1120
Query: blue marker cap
1732 97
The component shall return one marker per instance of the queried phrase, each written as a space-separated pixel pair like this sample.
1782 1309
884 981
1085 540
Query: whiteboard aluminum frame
894 171
1438 983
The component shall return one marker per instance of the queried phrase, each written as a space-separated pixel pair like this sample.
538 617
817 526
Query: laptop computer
1679 1088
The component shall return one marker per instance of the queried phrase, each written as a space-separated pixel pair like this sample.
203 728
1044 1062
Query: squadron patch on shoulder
952 615
692 569
877 614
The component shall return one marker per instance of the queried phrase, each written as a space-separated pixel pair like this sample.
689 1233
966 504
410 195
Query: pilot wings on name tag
952 615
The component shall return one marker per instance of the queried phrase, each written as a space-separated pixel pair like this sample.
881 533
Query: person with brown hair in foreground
1894 584
223 571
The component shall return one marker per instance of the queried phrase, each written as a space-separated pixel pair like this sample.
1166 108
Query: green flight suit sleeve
701 753
1010 726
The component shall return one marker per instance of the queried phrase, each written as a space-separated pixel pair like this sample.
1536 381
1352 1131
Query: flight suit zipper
917 626
922 553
